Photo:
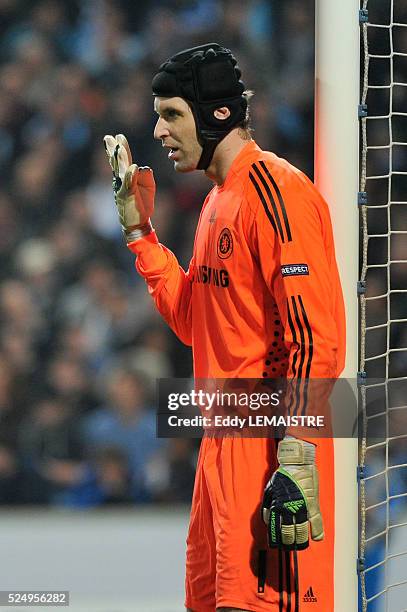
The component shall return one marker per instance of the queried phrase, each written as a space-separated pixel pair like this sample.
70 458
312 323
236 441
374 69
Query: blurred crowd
80 343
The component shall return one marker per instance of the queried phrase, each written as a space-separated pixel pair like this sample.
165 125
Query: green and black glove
291 497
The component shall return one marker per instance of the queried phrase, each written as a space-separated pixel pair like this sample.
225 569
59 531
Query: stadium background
80 343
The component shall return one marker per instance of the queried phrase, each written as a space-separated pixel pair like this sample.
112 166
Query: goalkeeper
261 299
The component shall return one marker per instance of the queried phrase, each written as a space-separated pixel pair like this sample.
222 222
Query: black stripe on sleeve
294 387
280 199
307 348
263 201
299 392
294 335
310 354
302 336
310 338
271 200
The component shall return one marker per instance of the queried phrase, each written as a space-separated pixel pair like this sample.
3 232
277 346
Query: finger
130 176
265 515
122 140
122 160
317 527
301 534
110 144
146 177
287 528
114 162
287 534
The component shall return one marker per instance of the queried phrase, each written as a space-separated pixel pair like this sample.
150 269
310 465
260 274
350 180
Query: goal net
383 307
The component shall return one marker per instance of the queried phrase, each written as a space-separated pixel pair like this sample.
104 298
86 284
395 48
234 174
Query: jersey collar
240 161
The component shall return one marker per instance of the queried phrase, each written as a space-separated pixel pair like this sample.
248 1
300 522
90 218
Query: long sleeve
168 284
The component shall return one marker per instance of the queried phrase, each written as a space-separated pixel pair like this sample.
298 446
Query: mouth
173 153
173 150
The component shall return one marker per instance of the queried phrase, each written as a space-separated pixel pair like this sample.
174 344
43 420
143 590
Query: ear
222 113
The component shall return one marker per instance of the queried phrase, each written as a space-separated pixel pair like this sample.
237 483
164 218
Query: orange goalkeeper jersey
262 296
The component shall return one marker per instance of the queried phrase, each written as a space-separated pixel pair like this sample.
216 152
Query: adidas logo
309 596
294 506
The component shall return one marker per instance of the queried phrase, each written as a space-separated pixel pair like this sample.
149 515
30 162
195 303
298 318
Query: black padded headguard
207 77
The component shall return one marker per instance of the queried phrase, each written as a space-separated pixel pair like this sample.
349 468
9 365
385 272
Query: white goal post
336 176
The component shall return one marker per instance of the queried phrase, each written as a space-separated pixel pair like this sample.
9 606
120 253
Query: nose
161 130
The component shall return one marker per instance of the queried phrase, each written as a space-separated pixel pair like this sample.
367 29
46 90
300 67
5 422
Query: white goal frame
337 78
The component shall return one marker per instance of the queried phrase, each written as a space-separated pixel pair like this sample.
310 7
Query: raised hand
133 186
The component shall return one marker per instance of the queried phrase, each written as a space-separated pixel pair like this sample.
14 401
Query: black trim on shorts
261 570
280 581
310 338
288 578
296 582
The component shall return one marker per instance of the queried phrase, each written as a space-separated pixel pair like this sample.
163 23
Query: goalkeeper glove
291 498
133 186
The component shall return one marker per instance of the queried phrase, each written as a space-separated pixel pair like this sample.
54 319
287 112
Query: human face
176 129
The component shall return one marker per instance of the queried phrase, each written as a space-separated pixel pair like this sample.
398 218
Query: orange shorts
228 561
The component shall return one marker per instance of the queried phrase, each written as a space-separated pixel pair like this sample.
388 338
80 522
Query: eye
172 114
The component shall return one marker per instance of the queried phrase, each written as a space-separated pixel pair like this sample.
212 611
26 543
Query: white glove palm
134 188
